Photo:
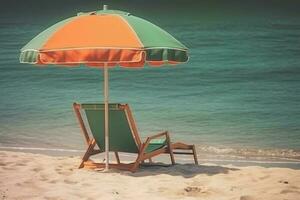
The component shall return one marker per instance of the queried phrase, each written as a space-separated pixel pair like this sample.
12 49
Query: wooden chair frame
142 154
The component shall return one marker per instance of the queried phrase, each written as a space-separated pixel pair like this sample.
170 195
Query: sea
237 98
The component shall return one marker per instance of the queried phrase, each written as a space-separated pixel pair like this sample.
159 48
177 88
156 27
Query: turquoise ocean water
239 95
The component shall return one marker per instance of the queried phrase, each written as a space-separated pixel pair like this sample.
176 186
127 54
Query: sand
34 176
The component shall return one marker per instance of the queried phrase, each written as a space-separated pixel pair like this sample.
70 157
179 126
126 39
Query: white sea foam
286 154
40 149
203 158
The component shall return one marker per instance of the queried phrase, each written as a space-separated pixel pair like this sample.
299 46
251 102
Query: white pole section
106 112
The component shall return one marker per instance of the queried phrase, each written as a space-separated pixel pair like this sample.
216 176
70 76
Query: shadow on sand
184 170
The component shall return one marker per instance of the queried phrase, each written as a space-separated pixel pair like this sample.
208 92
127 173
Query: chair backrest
123 136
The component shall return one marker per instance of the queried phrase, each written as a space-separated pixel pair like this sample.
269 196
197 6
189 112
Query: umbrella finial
105 7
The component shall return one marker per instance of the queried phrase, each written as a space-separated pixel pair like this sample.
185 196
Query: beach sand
35 176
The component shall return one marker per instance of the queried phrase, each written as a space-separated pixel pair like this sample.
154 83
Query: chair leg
195 155
135 166
172 155
88 153
117 157
138 160
170 149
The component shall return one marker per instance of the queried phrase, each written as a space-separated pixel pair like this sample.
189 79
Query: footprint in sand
193 191
43 178
264 177
24 183
53 181
3 194
26 160
286 191
294 187
20 164
115 192
70 182
86 184
6 163
8 168
284 182
18 184
247 197
27 182
64 173
234 188
60 171
38 169
53 198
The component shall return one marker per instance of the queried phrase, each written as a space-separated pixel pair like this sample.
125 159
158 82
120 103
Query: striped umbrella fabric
101 37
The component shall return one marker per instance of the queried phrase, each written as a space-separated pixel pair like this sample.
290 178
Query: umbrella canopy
104 38
108 37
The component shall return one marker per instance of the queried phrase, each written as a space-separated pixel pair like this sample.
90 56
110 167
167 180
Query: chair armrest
147 142
158 135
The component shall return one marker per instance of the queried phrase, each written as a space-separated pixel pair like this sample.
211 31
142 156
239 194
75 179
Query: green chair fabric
120 135
156 144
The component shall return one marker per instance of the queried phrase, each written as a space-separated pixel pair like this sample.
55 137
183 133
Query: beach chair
123 137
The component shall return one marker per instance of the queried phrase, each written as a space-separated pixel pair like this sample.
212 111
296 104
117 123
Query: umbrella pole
106 111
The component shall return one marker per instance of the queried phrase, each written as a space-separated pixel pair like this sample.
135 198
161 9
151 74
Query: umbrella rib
133 31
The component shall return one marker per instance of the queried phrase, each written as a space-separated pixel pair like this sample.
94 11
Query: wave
258 154
208 154
41 149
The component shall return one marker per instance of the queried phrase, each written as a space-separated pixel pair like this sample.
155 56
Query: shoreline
203 157
37 176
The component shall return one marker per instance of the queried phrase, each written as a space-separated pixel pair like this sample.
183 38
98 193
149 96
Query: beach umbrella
104 39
